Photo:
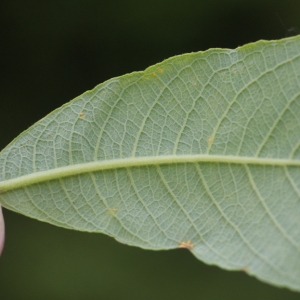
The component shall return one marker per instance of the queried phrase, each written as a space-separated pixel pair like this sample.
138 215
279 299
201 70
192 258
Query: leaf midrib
52 174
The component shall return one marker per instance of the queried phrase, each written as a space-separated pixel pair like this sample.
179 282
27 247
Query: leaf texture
201 151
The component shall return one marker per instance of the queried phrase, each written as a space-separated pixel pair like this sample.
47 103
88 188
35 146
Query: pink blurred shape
1 231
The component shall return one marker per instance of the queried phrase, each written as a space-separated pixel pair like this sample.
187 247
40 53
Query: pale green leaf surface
200 151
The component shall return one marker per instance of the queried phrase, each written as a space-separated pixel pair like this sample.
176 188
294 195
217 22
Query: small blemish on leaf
187 245
159 70
237 70
195 84
81 115
154 74
210 140
112 212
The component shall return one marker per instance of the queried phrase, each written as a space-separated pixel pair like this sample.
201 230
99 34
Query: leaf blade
200 151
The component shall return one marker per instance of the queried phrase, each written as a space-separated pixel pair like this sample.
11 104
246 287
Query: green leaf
201 151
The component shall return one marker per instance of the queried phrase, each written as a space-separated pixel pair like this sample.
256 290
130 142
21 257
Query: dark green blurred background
52 51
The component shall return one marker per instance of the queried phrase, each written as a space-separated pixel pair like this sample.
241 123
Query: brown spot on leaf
81 115
187 245
112 212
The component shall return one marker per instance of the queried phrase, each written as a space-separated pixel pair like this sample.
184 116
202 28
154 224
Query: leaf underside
201 151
